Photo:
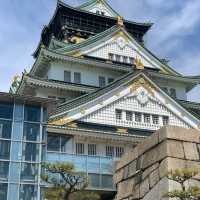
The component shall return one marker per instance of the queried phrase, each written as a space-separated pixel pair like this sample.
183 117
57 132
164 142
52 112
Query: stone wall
141 173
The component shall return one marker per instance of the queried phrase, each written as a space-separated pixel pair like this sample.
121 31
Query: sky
174 35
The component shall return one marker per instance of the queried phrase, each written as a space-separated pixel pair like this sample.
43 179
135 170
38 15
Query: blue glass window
53 143
32 113
5 129
5 150
6 110
28 192
18 112
30 152
29 172
107 181
94 180
4 166
13 191
14 172
3 191
31 132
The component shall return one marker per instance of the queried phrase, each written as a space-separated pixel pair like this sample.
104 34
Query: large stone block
154 178
174 149
149 170
132 168
191 151
148 143
144 187
178 133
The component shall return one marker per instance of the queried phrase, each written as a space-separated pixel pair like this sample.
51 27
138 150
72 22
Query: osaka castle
93 93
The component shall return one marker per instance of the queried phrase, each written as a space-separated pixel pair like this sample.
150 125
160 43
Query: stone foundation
141 173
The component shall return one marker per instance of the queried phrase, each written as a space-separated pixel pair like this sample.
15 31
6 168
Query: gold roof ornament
138 63
122 130
120 21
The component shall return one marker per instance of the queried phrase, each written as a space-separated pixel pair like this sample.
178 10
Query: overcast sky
175 34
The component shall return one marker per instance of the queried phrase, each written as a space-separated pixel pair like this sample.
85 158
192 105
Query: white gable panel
122 47
101 8
133 103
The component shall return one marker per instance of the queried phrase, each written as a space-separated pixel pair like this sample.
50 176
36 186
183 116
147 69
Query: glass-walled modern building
22 132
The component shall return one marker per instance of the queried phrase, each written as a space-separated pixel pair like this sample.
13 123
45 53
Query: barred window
129 116
119 151
125 59
111 56
147 118
92 149
118 58
165 120
155 119
67 76
102 81
138 117
110 80
118 114
77 77
173 92
80 148
110 151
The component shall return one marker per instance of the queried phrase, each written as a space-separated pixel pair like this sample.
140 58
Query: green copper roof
91 42
62 109
192 107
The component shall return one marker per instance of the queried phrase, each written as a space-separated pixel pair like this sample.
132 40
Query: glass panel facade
28 192
5 129
14 172
29 172
6 110
18 113
3 191
94 180
31 132
5 150
30 152
4 168
107 181
17 131
53 143
32 113
14 191
16 151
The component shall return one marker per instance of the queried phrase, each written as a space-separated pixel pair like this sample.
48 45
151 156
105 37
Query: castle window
173 92
110 80
102 81
67 76
118 114
110 151
92 149
77 77
125 59
118 58
129 116
97 12
102 13
138 117
165 120
147 118
119 151
80 148
165 89
111 56
155 119
131 60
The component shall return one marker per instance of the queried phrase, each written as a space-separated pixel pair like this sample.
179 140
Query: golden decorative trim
77 39
122 130
121 34
61 122
120 21
83 111
138 63
118 94
144 83
73 125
